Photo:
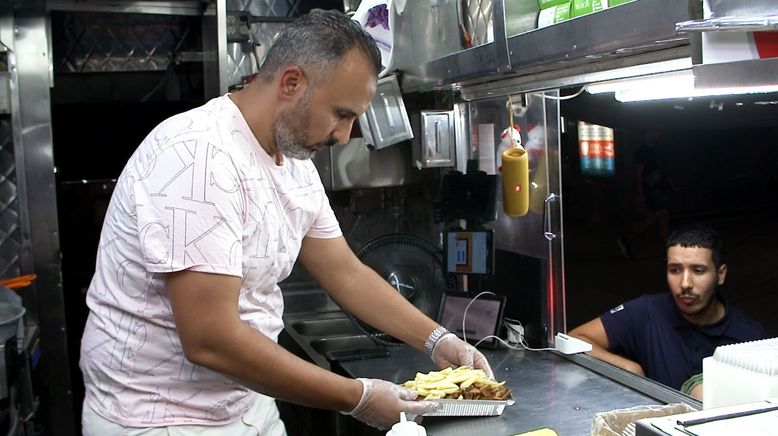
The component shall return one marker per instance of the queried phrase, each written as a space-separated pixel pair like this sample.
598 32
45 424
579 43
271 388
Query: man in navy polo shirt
666 336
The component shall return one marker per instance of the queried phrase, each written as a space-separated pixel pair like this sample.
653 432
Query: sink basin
324 337
326 327
323 345
307 300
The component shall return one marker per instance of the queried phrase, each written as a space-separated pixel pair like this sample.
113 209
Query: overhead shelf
632 29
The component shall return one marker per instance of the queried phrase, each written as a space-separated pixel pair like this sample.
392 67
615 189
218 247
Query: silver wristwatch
433 338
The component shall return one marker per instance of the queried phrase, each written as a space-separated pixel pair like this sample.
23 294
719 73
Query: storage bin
621 422
740 373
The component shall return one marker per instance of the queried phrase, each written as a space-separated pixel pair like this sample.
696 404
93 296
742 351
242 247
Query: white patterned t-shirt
200 194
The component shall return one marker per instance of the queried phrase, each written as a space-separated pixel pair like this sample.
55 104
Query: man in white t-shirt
210 213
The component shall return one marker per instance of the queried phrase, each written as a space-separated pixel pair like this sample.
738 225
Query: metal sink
307 300
317 333
327 327
323 345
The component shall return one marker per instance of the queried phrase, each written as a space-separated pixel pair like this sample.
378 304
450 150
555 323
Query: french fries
460 383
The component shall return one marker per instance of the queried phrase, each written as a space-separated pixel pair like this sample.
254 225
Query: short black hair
317 42
697 235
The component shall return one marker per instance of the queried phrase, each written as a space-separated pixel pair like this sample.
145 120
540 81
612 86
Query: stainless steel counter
550 391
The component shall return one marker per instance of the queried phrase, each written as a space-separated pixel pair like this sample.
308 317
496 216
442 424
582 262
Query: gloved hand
449 350
382 402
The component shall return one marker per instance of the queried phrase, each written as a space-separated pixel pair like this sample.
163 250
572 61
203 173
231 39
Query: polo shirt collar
716 329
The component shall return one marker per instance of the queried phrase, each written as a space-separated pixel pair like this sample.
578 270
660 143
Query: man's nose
686 280
342 131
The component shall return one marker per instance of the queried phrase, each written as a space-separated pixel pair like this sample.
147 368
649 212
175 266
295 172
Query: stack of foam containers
741 373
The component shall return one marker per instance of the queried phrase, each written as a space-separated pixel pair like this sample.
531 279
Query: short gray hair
317 42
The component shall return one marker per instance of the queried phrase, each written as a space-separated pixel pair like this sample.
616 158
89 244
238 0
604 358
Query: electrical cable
499 339
512 327
565 97
464 315
512 347
510 124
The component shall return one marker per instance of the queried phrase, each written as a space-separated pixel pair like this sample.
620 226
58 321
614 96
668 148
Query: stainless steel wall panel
40 251
10 228
462 131
10 133
264 35
99 42
268 8
215 49
477 19
243 59
282 8
355 166
240 63
735 8
5 95
161 7
425 31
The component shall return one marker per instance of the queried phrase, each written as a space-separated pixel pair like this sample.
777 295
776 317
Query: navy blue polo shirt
651 331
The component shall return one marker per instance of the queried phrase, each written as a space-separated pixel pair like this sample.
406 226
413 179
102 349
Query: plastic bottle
406 428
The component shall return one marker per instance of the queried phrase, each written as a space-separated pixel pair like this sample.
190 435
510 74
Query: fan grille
414 267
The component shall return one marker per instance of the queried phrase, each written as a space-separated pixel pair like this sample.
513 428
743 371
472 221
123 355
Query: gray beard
290 133
289 143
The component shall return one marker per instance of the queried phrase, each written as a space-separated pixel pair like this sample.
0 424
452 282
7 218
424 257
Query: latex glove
382 402
452 351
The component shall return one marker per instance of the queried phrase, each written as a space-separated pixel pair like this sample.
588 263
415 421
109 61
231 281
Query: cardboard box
554 14
612 3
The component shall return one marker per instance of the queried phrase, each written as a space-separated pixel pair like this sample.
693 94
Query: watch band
433 338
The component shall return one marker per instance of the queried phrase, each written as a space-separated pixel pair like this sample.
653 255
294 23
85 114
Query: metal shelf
627 30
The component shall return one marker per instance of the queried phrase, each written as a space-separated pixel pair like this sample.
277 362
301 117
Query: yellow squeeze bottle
515 181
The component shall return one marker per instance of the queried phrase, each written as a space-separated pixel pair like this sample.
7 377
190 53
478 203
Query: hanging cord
499 339
510 125
564 97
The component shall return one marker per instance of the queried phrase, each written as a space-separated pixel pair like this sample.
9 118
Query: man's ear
292 81
722 273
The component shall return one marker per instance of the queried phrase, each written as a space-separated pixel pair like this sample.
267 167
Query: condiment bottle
406 428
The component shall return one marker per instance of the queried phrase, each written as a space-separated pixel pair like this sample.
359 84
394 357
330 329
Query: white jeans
262 419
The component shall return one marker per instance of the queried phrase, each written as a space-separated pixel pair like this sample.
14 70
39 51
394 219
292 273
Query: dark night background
722 156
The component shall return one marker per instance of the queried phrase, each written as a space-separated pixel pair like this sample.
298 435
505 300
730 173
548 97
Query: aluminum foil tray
470 407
